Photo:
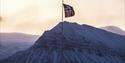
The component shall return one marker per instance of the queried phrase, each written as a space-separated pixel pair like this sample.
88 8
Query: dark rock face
70 45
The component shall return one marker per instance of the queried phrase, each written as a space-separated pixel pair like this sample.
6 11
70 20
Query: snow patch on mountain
114 29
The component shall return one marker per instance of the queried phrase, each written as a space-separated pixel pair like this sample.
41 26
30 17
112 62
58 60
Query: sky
36 16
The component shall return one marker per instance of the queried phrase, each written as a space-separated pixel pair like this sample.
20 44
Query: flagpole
62 28
62 10
123 12
62 16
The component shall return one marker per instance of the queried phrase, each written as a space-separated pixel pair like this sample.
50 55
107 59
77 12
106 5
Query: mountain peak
64 26
72 23
76 32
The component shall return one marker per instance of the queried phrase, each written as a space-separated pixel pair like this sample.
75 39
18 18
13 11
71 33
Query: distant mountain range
73 43
11 43
114 29
17 37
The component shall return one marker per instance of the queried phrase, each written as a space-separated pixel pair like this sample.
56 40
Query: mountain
114 29
11 43
73 43
17 37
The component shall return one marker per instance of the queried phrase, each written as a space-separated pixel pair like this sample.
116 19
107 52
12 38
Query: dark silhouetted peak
68 25
75 32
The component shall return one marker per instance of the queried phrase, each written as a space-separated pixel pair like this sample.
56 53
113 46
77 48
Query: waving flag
69 11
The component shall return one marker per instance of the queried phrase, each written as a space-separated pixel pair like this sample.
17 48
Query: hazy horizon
117 31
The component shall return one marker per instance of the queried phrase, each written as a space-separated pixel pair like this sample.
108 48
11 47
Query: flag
69 11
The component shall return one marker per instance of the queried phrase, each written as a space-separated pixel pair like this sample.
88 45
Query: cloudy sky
36 16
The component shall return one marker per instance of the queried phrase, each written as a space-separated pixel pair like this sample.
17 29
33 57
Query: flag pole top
62 9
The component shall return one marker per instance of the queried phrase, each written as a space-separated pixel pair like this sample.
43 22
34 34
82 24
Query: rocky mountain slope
73 43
